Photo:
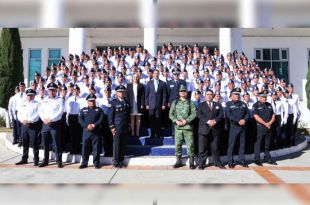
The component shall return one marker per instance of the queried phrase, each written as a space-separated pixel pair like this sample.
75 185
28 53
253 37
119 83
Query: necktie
210 106
21 95
75 99
177 83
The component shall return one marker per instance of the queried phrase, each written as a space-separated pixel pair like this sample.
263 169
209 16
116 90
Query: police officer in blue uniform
119 115
51 111
90 118
28 115
238 114
265 117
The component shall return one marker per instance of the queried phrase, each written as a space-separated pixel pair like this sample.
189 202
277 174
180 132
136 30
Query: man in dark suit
136 98
210 115
173 87
155 101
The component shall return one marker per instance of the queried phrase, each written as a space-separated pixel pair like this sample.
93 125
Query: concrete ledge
148 160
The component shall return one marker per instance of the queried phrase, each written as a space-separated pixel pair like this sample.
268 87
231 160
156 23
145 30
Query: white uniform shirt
72 105
28 111
51 109
19 99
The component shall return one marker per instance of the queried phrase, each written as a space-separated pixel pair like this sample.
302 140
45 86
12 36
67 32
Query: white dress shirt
51 109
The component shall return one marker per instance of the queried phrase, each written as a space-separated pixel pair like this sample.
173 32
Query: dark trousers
262 132
75 131
195 139
155 116
119 145
19 126
64 131
88 142
30 137
294 133
277 133
289 130
51 134
236 132
250 130
204 142
15 131
107 138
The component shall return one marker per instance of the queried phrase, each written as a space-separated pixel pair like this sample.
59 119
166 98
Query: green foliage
2 122
11 63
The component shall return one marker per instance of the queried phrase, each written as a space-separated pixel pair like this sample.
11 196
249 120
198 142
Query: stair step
147 132
146 140
166 150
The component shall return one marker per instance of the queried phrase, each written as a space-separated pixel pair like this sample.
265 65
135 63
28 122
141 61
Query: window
275 58
53 56
34 62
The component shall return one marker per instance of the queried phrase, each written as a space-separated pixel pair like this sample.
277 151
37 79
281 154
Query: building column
255 13
148 20
230 39
52 13
77 40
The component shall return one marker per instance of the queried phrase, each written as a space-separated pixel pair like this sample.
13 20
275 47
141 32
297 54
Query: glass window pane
50 62
284 54
54 53
276 67
285 70
264 64
275 54
35 53
258 54
266 54
34 65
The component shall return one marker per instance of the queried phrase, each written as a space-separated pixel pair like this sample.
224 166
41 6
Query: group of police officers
208 99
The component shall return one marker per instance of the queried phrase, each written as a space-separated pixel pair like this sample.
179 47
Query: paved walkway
292 169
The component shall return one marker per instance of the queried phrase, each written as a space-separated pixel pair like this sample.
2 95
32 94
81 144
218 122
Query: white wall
298 56
44 44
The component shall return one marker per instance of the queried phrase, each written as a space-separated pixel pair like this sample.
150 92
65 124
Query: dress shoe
20 144
43 164
244 164
192 163
220 165
36 163
201 167
97 166
15 142
191 166
258 163
83 166
115 165
231 165
122 165
60 165
21 162
270 161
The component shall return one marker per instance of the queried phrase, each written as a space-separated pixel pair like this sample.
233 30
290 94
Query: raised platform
153 160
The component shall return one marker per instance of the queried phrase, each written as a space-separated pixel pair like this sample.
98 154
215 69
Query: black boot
178 163
192 163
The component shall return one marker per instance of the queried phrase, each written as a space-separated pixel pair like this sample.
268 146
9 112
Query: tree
11 63
308 86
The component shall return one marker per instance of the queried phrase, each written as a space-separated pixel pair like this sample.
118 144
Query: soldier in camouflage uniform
182 113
